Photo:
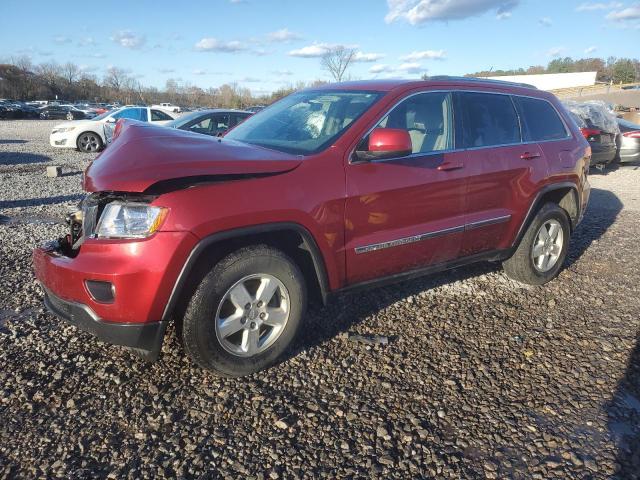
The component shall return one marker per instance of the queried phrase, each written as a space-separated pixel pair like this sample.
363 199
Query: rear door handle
529 155
445 166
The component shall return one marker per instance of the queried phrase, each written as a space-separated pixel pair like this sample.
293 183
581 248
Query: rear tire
228 329
543 248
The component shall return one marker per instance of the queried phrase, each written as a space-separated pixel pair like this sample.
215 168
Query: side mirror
386 143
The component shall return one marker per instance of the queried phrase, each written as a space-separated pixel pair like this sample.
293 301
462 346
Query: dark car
60 112
628 141
214 122
599 126
341 187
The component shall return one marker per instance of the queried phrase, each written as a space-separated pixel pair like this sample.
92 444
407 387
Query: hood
144 156
75 124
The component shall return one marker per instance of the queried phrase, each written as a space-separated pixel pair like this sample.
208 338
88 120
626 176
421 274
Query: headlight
62 130
129 220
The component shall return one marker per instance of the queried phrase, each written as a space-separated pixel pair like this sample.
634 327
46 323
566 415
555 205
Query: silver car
629 141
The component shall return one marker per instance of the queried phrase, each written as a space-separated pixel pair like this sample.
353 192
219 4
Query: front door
408 212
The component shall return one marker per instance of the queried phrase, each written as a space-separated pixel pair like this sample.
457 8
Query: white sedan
88 135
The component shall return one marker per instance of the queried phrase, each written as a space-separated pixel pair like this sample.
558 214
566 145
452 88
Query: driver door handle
529 155
450 165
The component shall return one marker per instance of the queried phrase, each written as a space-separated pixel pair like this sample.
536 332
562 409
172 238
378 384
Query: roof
390 84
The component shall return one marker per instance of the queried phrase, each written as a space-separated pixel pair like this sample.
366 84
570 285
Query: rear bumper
145 336
602 153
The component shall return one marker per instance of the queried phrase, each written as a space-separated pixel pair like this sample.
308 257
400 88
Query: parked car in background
89 111
599 126
214 122
628 141
59 112
254 109
168 106
89 135
334 188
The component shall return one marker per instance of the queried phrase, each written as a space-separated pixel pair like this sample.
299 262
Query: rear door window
539 119
487 119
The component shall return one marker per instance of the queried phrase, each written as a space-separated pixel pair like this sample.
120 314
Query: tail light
634 134
590 132
117 130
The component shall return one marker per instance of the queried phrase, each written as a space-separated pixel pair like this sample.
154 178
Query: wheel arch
564 194
285 236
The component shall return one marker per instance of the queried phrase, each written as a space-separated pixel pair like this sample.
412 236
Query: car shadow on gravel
33 202
623 412
347 311
22 158
602 211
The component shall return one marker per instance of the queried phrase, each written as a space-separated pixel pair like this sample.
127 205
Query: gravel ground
481 378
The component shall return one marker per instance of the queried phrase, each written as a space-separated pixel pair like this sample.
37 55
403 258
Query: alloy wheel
547 246
252 315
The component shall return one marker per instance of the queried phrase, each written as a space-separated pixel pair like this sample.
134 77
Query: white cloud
88 68
318 49
590 50
283 35
503 15
626 14
420 11
592 6
199 71
545 22
129 39
425 55
555 52
250 80
367 57
380 68
411 67
167 70
61 39
209 44
282 73
87 42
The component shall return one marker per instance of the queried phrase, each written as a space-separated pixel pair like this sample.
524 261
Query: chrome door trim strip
436 233
406 240
487 222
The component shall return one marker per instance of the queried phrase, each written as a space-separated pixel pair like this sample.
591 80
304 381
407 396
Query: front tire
246 312
543 248
89 142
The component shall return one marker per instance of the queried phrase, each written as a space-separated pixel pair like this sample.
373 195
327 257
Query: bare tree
70 72
337 60
115 78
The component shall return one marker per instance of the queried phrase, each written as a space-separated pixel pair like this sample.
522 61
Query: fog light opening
103 292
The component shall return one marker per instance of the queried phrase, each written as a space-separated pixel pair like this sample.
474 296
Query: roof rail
492 81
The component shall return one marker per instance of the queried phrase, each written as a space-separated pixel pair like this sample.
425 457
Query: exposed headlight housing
129 220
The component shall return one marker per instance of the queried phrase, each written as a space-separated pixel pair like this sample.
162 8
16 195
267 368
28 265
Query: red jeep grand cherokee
329 189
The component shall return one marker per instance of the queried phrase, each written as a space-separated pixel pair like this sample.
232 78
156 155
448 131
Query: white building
553 81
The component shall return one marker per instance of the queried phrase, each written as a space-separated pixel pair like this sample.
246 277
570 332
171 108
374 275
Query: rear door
408 212
502 172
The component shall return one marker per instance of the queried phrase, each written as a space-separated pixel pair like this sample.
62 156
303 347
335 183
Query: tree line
610 70
20 79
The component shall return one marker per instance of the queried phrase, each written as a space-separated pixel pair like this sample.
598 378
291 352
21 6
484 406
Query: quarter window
159 116
487 119
428 119
540 121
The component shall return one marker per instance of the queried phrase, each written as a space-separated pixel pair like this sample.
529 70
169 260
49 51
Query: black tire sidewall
199 322
548 212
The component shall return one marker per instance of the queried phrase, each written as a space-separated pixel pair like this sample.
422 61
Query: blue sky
266 44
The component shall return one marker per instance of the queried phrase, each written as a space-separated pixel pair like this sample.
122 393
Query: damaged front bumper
139 276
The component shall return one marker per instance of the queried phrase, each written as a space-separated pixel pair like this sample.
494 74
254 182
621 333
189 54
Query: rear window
540 121
487 119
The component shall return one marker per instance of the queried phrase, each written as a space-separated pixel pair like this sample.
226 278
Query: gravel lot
481 378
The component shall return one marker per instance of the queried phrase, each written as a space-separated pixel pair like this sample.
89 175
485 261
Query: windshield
103 115
184 119
306 122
